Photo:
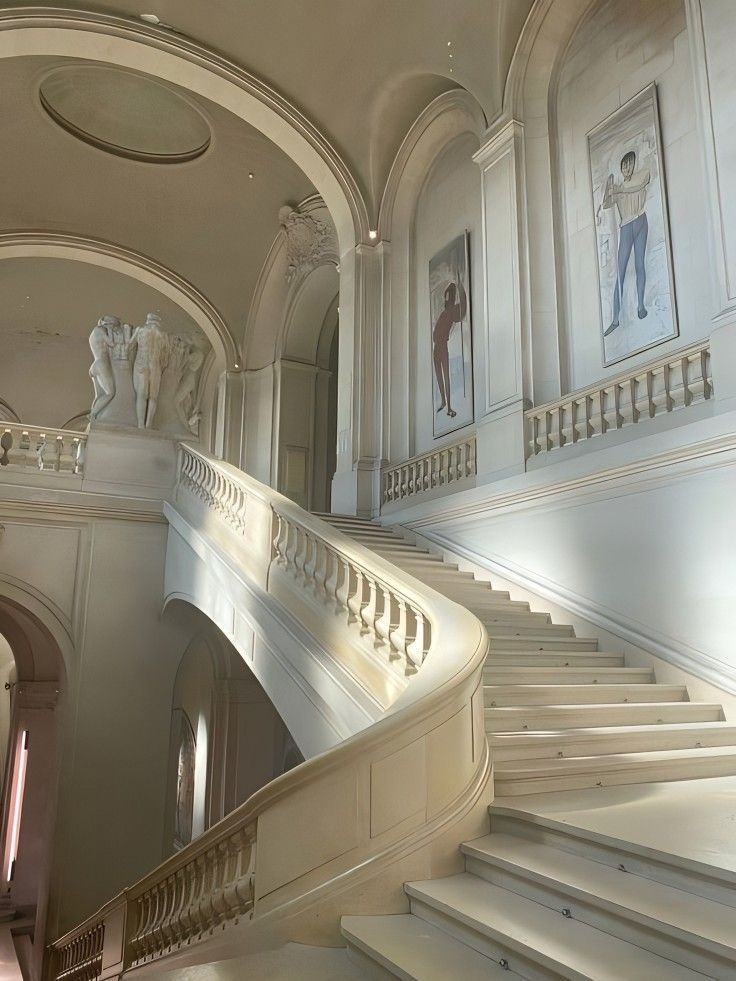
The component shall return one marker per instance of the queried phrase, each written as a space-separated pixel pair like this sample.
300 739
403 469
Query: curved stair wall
348 826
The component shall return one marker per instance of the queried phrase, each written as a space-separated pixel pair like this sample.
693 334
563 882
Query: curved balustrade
25 447
356 818
428 471
661 386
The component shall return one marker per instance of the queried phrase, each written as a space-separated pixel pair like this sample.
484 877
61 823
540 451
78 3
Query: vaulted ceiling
360 70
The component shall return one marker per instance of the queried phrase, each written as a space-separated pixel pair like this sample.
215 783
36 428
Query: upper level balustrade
348 816
428 471
662 386
32 447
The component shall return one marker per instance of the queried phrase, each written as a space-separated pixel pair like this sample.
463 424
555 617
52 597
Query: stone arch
529 99
448 117
42 649
97 252
173 58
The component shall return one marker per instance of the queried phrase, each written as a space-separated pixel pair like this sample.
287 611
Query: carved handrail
665 385
427 471
32 447
434 647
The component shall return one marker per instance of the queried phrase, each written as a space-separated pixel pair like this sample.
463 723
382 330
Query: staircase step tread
551 696
553 659
574 949
417 950
686 914
626 848
549 675
601 732
505 769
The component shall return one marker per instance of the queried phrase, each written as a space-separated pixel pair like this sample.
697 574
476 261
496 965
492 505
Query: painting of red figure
452 347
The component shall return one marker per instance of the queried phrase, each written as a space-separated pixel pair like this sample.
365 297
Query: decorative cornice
83 248
179 45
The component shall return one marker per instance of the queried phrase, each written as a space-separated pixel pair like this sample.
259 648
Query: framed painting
451 337
635 285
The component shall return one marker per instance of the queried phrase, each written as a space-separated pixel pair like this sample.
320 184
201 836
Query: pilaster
506 364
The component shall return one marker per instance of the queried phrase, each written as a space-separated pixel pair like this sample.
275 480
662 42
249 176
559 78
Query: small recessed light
236 366
451 70
251 175
372 233
451 56
449 44
150 18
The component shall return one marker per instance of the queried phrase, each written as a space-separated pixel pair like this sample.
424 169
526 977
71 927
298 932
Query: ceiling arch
96 252
183 62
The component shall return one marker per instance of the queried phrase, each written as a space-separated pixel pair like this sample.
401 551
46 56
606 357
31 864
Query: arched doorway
32 678
305 461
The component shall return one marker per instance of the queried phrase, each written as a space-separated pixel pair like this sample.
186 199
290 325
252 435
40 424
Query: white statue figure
150 360
101 342
184 397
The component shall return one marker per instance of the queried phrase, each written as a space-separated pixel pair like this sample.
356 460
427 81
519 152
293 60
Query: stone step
695 876
603 740
536 718
513 777
535 629
542 642
555 695
409 948
695 932
532 940
532 675
561 659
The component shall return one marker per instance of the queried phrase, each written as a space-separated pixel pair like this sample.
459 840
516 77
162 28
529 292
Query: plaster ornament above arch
311 240
181 61
96 252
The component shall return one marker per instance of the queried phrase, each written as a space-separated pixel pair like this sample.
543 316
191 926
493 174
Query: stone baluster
417 649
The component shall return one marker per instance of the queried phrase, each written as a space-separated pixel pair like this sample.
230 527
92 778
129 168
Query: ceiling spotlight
372 233
449 44
236 366
251 175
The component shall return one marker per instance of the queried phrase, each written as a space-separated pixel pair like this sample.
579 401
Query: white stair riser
508 644
371 969
511 695
507 785
557 747
543 659
536 719
625 924
494 675
496 947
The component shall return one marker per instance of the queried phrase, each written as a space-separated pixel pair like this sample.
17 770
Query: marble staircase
561 714
540 898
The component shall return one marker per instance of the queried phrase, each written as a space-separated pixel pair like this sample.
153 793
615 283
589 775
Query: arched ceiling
206 219
360 70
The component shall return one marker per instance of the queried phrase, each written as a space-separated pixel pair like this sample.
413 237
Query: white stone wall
621 49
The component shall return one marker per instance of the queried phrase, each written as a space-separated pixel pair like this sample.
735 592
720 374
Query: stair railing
350 821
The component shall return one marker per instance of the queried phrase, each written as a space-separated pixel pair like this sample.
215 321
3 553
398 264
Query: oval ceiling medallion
124 113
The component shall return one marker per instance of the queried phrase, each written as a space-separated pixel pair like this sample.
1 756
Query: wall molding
690 659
